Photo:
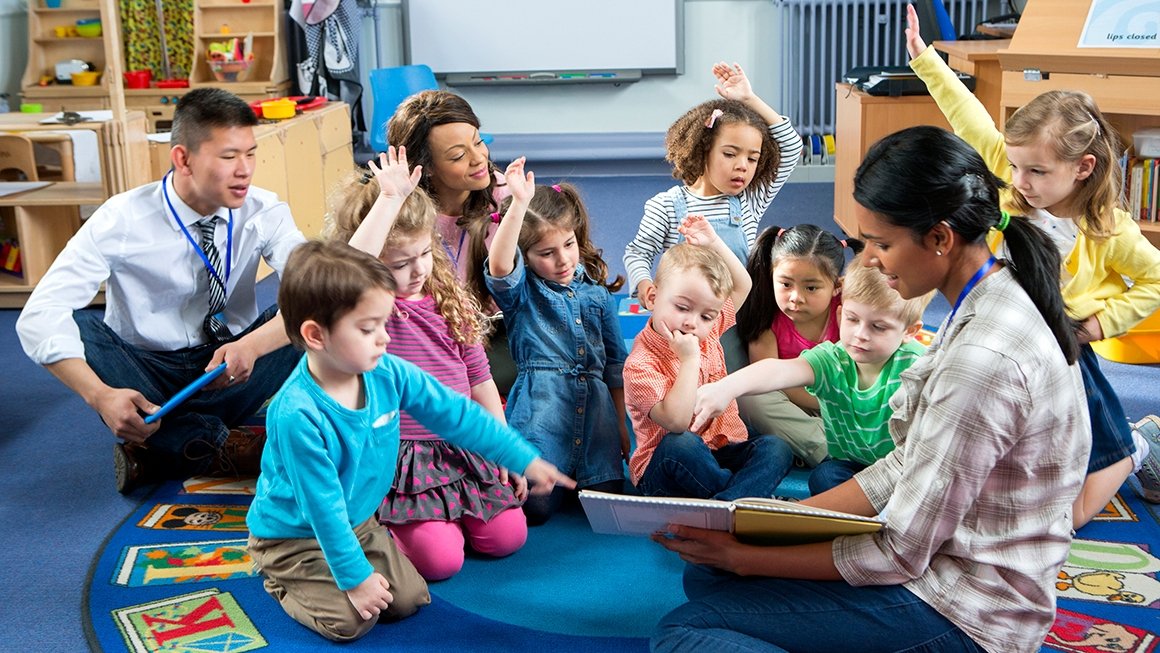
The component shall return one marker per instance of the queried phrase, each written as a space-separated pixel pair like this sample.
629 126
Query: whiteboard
470 36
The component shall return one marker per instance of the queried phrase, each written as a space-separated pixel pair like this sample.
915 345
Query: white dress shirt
156 285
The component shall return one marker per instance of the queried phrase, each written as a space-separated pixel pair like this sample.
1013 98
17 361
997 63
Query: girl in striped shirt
443 496
733 155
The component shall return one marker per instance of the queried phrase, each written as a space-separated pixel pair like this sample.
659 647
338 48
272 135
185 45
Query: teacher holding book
992 442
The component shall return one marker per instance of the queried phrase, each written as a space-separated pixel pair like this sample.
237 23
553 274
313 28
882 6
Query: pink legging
436 547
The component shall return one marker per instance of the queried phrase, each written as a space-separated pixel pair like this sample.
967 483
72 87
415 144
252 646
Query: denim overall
729 229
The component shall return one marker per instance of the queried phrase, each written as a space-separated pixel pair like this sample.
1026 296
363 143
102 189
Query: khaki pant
299 578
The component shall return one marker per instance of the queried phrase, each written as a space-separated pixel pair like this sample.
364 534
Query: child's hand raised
732 84
395 180
914 42
544 476
371 596
697 231
521 184
712 400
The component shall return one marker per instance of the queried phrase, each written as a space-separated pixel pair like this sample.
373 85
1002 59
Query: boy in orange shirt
699 283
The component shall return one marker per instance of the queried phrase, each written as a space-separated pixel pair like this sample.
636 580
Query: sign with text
1122 24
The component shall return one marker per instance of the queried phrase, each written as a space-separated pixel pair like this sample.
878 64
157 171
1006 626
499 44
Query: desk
980 59
861 120
42 221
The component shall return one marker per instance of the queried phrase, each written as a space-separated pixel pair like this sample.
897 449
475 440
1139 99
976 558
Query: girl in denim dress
564 334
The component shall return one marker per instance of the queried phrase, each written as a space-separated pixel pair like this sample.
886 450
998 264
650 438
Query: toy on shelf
230 60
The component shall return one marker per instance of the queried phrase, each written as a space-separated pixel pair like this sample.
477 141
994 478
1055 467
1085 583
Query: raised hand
395 180
521 184
697 231
914 42
732 84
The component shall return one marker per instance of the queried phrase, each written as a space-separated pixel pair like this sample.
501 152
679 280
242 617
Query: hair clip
717 113
843 241
780 232
366 178
1004 220
495 217
556 187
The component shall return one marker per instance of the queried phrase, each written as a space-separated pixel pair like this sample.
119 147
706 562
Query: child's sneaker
1149 473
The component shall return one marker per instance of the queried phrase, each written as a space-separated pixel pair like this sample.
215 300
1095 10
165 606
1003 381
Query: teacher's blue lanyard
970 286
196 246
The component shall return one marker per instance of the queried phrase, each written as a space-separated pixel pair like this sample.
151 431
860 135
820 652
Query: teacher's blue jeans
682 465
730 613
187 438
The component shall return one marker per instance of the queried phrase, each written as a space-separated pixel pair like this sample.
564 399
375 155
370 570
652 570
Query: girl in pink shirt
444 497
793 306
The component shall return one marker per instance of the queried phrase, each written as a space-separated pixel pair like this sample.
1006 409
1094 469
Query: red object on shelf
173 83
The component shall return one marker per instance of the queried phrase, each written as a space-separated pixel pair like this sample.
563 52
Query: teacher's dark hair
921 176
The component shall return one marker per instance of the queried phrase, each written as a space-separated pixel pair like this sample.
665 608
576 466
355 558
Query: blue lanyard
454 256
196 246
970 286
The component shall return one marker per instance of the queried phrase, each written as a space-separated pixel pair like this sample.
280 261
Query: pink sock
502 536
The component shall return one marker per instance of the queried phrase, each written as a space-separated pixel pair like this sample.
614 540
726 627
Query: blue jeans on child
189 436
683 466
1111 432
830 473
731 613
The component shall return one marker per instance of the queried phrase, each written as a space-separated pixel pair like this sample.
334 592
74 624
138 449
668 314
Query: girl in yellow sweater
1061 158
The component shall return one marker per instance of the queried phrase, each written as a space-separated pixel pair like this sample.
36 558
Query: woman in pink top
440 133
793 306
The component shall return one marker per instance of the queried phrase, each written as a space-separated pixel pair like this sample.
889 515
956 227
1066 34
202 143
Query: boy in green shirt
853 379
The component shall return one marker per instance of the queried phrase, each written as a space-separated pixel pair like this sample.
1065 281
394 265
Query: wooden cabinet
263 19
1125 82
46 48
981 60
861 120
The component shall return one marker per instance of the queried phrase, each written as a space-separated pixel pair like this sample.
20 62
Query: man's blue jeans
731 613
189 436
682 465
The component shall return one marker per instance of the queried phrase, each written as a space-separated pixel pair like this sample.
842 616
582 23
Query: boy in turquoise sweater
333 437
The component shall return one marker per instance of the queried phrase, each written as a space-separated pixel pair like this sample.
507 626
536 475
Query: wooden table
980 59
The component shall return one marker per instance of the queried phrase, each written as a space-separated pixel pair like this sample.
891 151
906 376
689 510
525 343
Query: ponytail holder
495 217
780 232
1004 220
556 187
717 113
843 241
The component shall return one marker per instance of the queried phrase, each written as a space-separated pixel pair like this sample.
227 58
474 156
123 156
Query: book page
633 515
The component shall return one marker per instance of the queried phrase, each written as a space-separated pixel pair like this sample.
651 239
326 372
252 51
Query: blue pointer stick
186 392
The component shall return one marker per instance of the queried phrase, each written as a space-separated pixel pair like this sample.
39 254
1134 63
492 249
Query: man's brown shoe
241 453
130 469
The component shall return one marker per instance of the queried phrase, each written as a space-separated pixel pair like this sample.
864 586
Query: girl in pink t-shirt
793 306
444 497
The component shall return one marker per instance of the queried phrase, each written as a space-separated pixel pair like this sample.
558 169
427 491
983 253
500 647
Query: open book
756 520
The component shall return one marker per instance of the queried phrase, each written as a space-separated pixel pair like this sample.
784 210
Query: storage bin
1147 142
1139 346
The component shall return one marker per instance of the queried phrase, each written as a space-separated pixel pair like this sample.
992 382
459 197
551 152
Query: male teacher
179 260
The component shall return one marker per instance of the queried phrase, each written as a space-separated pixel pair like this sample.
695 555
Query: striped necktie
213 326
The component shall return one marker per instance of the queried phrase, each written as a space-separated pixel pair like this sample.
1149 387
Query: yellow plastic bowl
1139 346
278 109
89 30
87 78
